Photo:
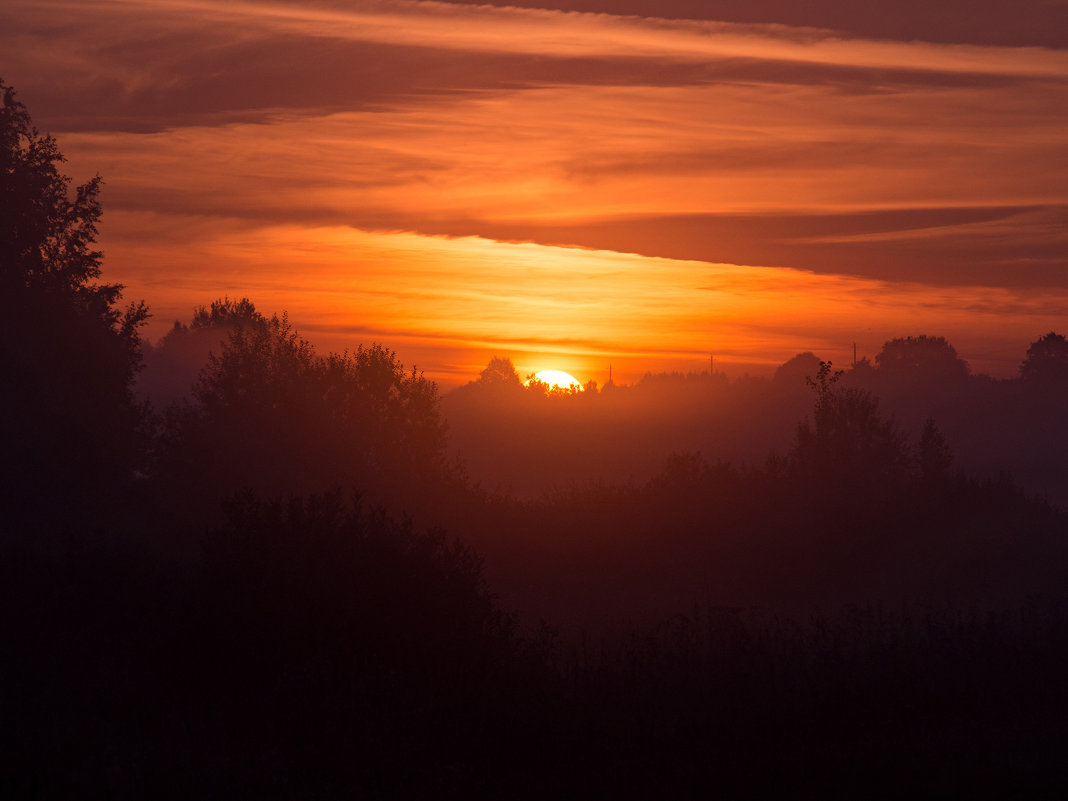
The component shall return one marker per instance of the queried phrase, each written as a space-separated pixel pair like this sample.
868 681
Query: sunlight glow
558 379
646 193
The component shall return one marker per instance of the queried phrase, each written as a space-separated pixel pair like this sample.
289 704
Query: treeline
232 590
521 442
852 513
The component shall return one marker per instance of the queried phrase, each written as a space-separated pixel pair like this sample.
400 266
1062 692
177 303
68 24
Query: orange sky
568 189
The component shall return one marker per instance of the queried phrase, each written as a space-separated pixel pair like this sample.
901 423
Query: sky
574 183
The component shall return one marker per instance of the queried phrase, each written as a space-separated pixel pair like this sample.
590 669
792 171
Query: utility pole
711 365
854 354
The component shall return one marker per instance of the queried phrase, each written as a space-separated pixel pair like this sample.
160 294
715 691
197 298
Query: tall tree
68 353
1047 361
848 443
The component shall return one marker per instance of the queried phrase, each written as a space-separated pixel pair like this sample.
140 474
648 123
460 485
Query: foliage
847 440
265 366
68 353
172 365
270 414
226 313
539 388
331 572
1047 360
797 369
499 372
934 456
922 358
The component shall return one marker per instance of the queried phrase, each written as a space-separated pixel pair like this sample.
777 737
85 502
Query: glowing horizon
575 189
556 379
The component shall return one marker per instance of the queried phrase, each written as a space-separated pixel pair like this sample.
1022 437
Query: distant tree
67 352
823 380
1047 360
269 414
172 365
394 412
796 370
862 370
683 469
847 441
536 386
226 313
500 372
261 369
935 457
922 357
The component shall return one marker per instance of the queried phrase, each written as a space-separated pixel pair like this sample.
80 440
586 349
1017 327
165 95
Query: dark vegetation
520 444
228 584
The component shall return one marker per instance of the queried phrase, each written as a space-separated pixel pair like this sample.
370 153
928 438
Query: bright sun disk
558 379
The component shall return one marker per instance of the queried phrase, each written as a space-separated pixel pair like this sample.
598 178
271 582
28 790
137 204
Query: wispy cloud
573 307
496 29
250 135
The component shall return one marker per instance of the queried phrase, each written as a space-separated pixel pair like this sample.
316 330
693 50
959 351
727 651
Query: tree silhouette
923 357
935 457
67 352
499 372
173 364
794 371
848 442
1047 360
226 313
268 413
538 388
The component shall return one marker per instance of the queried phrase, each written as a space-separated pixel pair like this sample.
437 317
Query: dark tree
225 314
847 442
1047 360
500 372
174 362
67 352
922 357
268 413
935 457
540 389
794 371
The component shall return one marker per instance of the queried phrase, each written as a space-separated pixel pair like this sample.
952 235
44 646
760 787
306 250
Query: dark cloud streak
198 76
1020 247
988 22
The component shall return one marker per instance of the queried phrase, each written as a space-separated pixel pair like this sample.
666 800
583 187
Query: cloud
1021 247
723 173
406 169
1041 23
429 296
491 29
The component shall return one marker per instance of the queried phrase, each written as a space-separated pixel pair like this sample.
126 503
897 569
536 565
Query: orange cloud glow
408 172
450 304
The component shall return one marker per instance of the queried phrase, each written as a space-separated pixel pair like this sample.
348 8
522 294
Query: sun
558 379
